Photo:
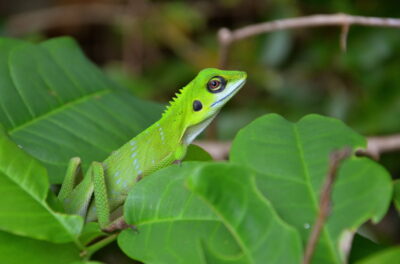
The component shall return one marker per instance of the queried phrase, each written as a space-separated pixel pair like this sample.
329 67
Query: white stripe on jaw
236 86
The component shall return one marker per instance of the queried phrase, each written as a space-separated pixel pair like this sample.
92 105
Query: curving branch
69 15
226 37
377 146
219 150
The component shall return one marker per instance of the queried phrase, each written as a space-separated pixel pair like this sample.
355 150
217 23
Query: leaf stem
325 201
89 251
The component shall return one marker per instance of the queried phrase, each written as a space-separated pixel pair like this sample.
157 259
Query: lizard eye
216 84
197 106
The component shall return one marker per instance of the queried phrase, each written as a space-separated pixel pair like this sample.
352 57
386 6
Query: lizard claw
117 225
179 162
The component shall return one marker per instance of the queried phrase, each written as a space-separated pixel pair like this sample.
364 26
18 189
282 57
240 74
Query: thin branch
219 150
325 201
343 37
227 37
313 21
376 147
224 39
379 145
69 15
98 245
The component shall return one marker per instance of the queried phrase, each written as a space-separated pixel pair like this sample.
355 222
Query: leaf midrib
59 109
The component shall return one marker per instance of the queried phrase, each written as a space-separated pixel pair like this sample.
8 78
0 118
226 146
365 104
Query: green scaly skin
156 147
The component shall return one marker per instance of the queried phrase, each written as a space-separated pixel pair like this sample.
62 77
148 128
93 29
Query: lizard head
206 95
210 90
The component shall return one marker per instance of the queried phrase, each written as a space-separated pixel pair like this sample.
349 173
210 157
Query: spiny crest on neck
174 101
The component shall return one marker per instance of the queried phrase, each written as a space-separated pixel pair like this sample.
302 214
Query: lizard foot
117 225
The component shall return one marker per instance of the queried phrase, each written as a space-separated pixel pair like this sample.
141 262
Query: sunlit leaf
232 193
291 160
24 188
172 224
16 250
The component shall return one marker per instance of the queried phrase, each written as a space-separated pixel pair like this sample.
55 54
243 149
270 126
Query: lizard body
106 185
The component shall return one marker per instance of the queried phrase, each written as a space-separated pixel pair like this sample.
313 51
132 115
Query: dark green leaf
396 194
235 224
16 250
291 160
173 224
362 247
56 104
196 153
388 256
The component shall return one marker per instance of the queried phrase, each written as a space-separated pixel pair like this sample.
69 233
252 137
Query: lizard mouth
238 85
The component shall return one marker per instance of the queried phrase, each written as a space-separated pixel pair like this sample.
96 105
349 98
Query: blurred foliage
163 44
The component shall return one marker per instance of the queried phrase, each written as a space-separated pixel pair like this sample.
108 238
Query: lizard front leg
76 196
76 199
100 194
70 179
179 154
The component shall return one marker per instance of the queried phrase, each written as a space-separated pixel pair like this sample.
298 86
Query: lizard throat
193 131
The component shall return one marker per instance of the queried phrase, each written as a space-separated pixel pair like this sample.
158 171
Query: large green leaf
291 161
56 104
232 193
173 225
233 223
16 250
24 189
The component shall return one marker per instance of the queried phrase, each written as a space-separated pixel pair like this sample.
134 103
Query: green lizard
106 184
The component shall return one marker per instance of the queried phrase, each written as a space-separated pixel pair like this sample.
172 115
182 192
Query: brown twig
379 145
224 39
325 201
219 150
70 15
227 37
343 37
376 147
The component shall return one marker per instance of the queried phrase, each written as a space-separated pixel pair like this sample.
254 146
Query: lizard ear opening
197 105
